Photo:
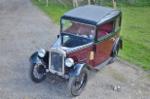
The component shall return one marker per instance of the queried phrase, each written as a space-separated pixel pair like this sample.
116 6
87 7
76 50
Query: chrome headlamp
41 52
69 62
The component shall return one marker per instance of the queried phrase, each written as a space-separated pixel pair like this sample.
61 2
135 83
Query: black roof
91 14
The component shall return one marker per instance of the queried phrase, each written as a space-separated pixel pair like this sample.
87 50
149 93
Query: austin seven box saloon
89 40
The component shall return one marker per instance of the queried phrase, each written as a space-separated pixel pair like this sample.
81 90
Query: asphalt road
23 29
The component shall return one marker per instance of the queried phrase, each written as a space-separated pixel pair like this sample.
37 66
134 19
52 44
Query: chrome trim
57 44
60 51
82 60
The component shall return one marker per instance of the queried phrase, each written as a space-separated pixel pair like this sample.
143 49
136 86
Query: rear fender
117 45
121 43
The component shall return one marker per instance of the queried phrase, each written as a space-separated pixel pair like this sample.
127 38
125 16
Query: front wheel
77 83
38 73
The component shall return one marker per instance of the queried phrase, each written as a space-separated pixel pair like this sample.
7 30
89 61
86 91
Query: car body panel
82 55
103 50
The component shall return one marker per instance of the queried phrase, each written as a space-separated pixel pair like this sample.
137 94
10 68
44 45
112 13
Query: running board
102 65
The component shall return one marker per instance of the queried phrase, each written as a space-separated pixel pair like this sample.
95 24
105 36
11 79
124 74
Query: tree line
76 3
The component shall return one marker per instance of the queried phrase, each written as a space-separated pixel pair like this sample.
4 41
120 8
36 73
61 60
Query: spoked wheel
77 84
38 73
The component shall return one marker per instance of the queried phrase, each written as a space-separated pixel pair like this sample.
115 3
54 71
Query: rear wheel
77 83
115 54
38 73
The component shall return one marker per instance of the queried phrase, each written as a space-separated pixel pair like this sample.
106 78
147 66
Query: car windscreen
77 28
70 40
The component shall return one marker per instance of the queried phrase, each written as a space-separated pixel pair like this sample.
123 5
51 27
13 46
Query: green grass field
135 31
54 11
136 35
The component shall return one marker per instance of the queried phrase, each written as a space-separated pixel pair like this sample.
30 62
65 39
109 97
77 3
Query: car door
104 42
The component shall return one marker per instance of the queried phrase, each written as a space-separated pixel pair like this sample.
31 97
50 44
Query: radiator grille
56 61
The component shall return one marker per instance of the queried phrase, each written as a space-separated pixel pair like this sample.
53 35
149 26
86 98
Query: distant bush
103 2
125 2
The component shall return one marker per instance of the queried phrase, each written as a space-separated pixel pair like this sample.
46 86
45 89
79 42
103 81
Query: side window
117 24
105 29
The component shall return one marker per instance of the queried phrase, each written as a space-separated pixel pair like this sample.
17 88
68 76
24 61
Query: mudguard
117 44
77 69
34 59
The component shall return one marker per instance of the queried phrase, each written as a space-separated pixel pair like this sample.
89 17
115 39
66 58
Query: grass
135 31
136 36
54 10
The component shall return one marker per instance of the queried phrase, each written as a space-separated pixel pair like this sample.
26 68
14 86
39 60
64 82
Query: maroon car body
89 39
107 29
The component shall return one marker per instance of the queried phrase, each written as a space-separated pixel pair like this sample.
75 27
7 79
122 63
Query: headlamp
69 62
41 52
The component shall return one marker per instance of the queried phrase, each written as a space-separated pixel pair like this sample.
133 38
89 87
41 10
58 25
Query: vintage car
89 40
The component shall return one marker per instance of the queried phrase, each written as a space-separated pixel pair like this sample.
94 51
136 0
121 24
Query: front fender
77 69
34 59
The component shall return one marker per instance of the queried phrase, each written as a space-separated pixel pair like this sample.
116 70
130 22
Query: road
24 29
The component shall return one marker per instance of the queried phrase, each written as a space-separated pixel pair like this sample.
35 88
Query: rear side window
105 29
117 24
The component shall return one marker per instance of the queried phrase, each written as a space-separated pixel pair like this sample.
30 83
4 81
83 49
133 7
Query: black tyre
38 73
77 83
115 54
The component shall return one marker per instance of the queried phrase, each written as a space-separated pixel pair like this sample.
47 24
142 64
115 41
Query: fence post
75 3
114 3
89 2
47 3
